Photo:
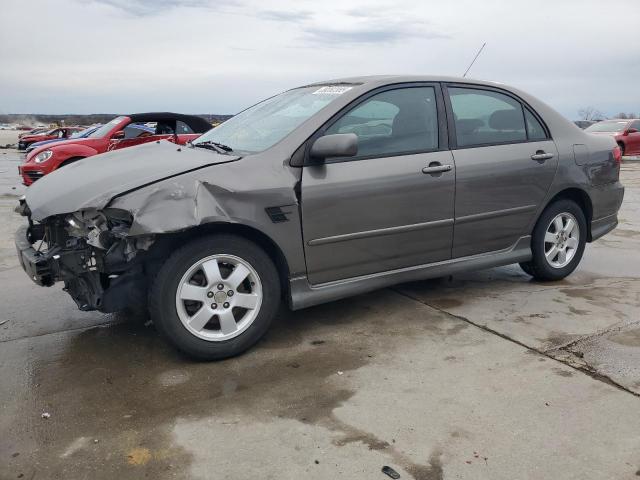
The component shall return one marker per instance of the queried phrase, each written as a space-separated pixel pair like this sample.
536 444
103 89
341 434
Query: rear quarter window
535 130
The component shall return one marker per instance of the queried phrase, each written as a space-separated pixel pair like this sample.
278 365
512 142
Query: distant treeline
73 119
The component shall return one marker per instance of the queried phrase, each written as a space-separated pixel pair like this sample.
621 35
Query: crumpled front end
91 252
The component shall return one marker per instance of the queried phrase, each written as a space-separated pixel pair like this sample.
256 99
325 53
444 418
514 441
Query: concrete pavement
485 375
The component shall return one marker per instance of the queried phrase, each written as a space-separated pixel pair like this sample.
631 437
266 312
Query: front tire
558 241
215 297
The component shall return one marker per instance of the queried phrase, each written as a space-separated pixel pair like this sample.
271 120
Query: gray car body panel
335 240
92 182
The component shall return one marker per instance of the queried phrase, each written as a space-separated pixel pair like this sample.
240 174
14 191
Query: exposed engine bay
90 251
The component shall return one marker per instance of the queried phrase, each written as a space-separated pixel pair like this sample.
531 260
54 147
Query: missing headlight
99 228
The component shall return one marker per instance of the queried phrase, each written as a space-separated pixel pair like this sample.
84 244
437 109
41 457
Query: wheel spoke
572 242
227 322
240 272
549 237
562 256
551 254
201 318
558 224
246 300
568 228
212 272
193 292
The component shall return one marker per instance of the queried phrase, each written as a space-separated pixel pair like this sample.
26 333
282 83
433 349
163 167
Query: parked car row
626 133
121 132
77 134
59 133
321 192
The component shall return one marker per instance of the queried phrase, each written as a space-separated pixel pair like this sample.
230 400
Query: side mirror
336 145
119 135
630 130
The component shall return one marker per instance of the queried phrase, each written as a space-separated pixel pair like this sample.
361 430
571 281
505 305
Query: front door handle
436 167
541 156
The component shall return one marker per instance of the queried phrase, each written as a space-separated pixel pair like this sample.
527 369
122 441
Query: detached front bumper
42 267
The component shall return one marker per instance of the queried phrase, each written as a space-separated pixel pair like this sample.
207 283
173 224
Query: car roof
197 124
390 79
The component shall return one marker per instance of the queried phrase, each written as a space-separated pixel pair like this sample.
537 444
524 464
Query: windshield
82 133
106 128
265 124
616 126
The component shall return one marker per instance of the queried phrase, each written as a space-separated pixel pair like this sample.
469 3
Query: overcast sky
218 56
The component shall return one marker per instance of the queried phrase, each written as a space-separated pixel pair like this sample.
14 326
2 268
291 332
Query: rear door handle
541 156
436 168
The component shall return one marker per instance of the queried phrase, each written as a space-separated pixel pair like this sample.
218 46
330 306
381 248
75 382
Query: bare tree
590 114
626 115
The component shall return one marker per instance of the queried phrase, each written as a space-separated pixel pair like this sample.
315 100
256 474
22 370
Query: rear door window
486 117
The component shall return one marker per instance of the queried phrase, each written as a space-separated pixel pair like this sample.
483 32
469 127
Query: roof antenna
474 59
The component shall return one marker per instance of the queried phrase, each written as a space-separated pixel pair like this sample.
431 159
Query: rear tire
558 241
215 297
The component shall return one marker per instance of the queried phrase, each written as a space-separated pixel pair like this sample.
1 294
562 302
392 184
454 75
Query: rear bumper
602 226
606 201
39 266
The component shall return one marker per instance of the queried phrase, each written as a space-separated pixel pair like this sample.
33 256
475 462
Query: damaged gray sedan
318 193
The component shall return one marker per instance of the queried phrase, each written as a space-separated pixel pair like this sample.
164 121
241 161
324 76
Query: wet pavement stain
446 303
628 338
578 311
621 232
557 339
431 471
562 373
111 383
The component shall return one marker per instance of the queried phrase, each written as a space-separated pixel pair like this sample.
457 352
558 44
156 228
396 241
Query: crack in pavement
617 327
584 368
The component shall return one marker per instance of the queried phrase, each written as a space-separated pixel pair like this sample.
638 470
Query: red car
32 131
625 131
62 132
121 132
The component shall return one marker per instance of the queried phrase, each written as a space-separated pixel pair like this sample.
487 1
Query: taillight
617 154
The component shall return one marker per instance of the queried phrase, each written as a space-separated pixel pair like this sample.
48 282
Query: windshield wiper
215 146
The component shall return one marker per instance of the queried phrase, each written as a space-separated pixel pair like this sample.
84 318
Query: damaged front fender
223 194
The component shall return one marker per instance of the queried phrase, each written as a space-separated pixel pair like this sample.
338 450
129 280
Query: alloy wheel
219 297
561 240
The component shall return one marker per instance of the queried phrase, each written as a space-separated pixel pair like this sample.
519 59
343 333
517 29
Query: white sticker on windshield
332 90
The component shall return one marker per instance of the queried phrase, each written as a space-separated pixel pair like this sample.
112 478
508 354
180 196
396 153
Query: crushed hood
94 181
